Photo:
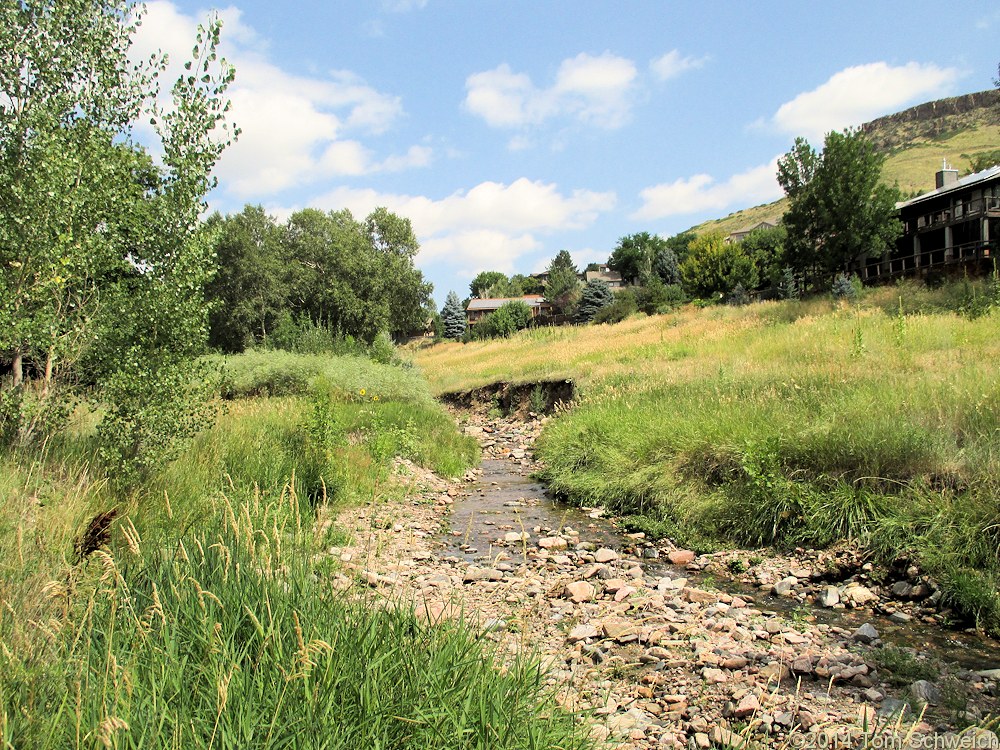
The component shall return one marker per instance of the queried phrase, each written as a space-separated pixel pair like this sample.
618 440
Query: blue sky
507 131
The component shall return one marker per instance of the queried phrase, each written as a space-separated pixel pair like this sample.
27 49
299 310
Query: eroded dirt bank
629 634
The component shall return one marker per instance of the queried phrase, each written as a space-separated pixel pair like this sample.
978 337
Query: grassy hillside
959 129
791 423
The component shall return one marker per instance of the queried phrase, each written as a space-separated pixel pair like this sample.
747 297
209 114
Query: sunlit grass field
781 423
208 619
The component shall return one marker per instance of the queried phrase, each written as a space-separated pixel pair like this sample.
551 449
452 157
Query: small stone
699 596
775 671
786 586
828 597
925 692
726 738
511 537
713 676
701 740
582 632
802 665
748 706
681 556
900 617
893 707
579 592
605 555
552 542
901 590
859 595
865 634
733 662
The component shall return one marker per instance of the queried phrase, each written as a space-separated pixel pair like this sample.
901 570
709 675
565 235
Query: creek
506 498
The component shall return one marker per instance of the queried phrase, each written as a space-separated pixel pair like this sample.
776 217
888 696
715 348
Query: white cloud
597 91
295 128
491 224
861 93
702 193
674 64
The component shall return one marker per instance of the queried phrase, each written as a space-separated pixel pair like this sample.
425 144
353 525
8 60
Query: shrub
846 287
510 318
625 304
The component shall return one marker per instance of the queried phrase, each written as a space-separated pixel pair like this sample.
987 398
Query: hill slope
959 129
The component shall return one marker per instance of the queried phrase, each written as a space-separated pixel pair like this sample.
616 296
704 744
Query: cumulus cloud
861 93
491 224
674 64
596 90
701 192
295 128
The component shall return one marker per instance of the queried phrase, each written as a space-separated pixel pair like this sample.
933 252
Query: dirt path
653 660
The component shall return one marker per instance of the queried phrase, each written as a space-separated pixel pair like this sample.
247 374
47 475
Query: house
480 308
603 273
741 234
957 223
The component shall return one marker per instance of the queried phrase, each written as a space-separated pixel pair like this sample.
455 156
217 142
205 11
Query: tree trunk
49 361
18 367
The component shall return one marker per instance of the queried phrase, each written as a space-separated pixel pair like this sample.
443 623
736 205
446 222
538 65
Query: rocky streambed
656 646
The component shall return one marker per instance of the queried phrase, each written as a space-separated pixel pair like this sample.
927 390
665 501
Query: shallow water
506 498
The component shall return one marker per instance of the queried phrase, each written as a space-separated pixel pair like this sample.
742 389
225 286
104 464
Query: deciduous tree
839 210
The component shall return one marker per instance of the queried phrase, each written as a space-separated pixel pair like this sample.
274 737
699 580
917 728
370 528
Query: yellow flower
374 398
362 391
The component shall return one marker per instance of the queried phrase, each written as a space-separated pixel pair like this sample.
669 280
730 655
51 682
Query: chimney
946 176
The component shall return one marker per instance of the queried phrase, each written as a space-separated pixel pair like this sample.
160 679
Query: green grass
227 638
793 423
210 620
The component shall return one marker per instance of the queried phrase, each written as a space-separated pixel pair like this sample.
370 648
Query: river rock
713 676
865 634
698 596
552 542
605 555
748 706
925 692
859 595
582 632
680 556
775 672
828 597
579 592
786 586
722 737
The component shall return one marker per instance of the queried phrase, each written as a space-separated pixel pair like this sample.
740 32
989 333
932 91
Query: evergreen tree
453 317
595 297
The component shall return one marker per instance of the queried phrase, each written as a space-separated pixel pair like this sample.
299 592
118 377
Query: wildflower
362 391
374 398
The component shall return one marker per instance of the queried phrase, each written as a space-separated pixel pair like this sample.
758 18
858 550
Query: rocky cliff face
935 119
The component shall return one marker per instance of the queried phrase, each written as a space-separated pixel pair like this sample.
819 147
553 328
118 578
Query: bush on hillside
624 306
510 318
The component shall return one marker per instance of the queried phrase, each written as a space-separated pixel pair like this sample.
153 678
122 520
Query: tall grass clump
230 637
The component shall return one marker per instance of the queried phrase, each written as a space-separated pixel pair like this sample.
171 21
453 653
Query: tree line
318 272
840 214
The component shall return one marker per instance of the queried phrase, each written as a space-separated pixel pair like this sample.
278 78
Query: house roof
966 182
494 303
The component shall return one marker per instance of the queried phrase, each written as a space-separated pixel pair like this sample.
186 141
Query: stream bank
656 653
